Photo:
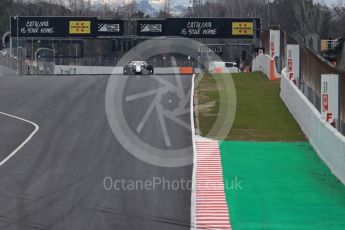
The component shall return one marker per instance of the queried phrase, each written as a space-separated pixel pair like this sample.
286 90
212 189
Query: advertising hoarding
151 27
247 28
274 43
110 27
243 28
55 27
84 27
79 27
198 27
329 97
293 61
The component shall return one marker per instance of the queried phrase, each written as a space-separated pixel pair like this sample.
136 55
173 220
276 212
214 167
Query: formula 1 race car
138 67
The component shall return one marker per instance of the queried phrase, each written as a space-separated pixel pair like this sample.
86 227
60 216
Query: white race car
138 67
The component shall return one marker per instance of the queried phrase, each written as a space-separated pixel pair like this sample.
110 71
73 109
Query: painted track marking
193 198
14 152
211 207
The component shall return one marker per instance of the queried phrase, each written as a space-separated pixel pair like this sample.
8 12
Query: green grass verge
261 115
282 186
208 103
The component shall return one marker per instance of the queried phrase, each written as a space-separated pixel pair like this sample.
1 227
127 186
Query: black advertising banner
151 27
197 27
91 27
214 27
55 27
110 27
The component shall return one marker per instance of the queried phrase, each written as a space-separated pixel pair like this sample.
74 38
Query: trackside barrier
186 70
225 70
218 70
272 65
264 64
167 70
80 70
107 70
326 140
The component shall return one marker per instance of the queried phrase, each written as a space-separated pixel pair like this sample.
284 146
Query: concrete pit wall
326 140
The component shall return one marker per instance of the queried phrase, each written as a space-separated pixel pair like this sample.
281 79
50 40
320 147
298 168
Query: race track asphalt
4 71
56 181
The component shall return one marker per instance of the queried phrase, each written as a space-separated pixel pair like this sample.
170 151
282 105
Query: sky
330 2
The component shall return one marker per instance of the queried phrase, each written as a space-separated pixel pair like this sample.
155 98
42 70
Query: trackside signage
293 61
197 27
84 27
110 27
79 27
151 27
243 28
246 28
274 43
329 97
60 27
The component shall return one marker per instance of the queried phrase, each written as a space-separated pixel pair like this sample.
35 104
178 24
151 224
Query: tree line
297 17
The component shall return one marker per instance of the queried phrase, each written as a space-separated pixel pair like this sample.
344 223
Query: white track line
193 203
24 142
